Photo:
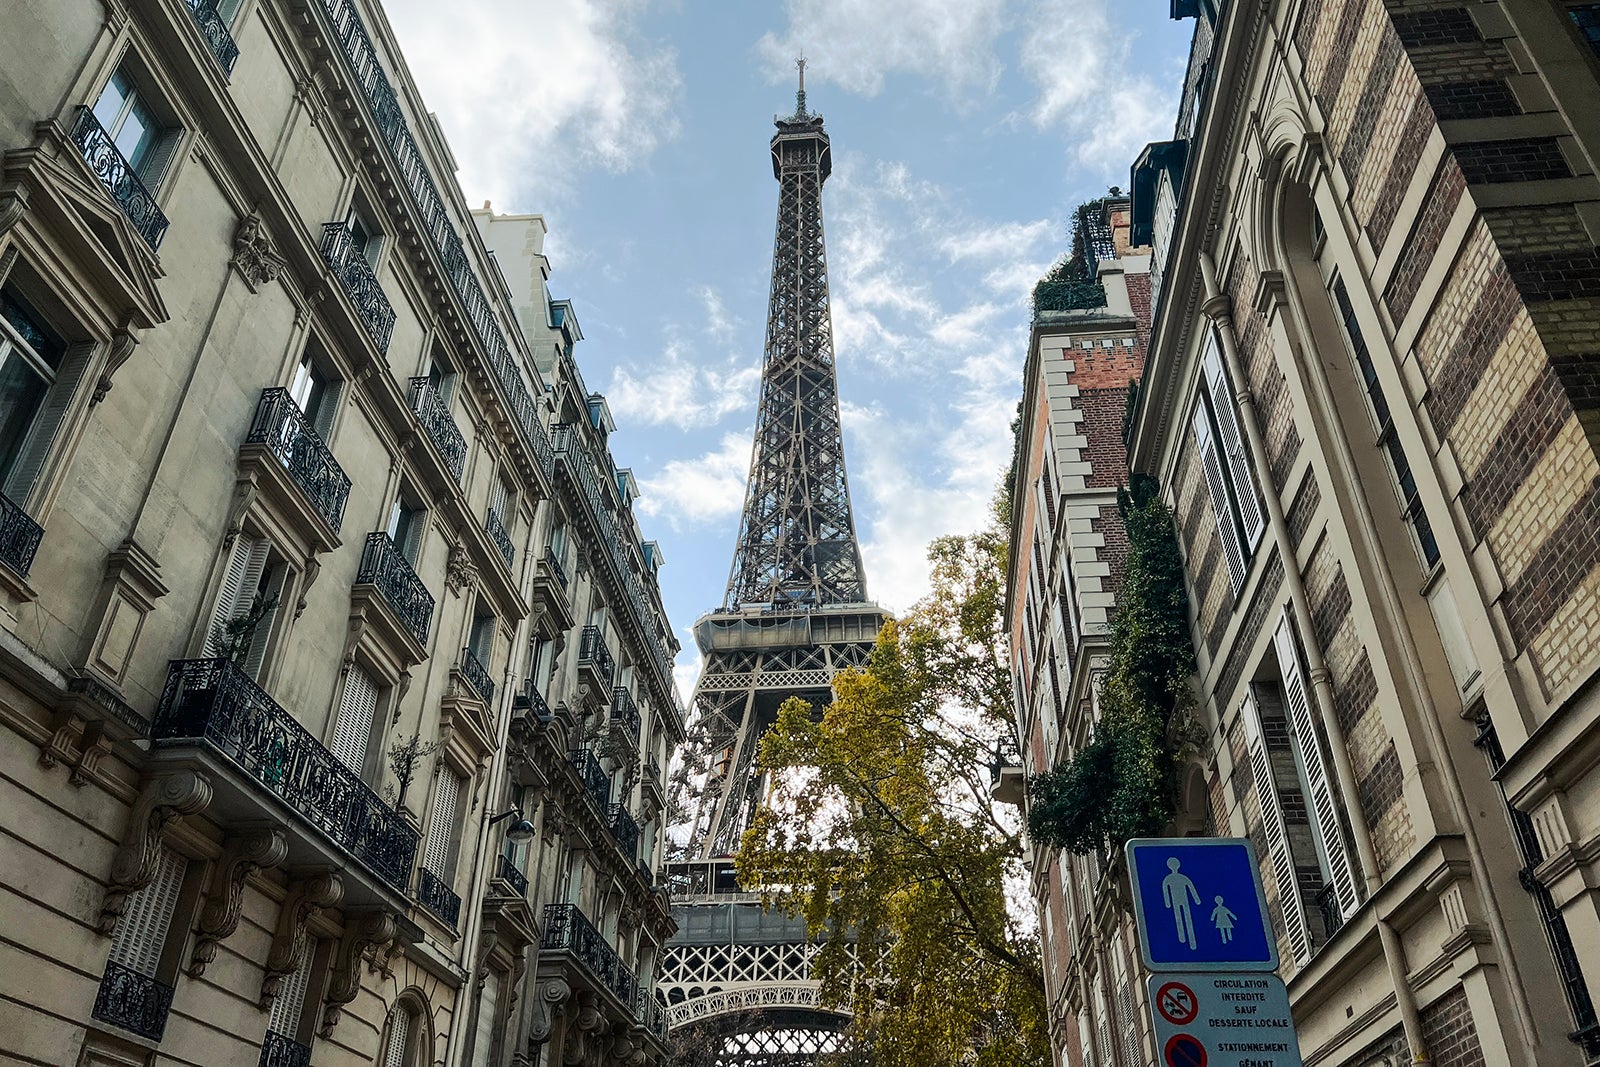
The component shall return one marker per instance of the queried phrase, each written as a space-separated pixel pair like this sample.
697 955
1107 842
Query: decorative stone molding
164 800
363 931
585 1043
245 854
13 205
305 902
460 573
123 342
549 998
253 254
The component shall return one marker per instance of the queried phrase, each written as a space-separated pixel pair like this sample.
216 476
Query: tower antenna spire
800 95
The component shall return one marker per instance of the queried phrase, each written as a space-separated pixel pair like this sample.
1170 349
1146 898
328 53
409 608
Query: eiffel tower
795 613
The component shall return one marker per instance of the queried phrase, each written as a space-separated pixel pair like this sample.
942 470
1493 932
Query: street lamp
519 831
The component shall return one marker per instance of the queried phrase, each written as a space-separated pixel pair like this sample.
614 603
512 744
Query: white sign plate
1222 1020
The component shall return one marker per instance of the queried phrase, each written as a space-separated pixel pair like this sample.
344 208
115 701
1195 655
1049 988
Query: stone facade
316 575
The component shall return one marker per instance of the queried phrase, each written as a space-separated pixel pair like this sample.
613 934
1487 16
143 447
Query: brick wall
1449 1032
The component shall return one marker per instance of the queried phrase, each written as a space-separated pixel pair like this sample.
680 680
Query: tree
879 830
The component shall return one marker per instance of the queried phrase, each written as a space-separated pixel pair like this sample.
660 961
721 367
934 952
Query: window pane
30 327
22 390
112 98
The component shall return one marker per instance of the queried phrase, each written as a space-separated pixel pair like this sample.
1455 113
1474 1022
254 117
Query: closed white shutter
441 825
1104 1017
285 1018
1325 812
1244 483
483 1043
256 651
1211 462
1277 833
1130 1021
394 1053
47 423
353 728
245 563
142 933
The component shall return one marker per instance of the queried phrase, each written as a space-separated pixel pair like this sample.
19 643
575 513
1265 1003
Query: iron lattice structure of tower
795 613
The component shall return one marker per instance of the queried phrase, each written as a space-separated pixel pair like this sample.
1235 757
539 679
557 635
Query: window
1405 482
284 1023
402 1043
136 991
1228 477
441 379
352 726
365 238
39 376
1586 17
247 604
129 118
438 855
407 523
480 638
315 394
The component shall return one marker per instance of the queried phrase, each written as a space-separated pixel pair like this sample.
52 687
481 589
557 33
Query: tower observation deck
794 614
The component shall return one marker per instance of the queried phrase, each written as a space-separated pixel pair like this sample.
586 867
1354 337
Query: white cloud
676 392
856 44
528 91
707 488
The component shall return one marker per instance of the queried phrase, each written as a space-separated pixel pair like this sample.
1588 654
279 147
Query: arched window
405 1036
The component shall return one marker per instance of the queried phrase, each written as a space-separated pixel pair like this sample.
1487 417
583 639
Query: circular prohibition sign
1177 1004
1185 1050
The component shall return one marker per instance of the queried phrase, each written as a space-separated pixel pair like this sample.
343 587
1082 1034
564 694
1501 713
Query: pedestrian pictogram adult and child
1177 889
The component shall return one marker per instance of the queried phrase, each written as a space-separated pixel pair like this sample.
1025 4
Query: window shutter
1325 811
239 582
1104 1018
1244 483
441 826
353 728
156 161
257 649
1227 529
483 1043
285 1017
47 423
394 1053
1277 833
142 933
1130 1021
327 404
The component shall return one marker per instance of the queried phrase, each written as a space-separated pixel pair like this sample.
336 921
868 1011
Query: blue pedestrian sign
1199 905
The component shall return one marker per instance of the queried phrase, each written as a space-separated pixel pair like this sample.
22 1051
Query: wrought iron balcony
624 716
355 277
624 829
506 870
135 1002
594 777
477 675
215 31
593 653
658 1019
280 1051
119 177
19 536
529 699
434 414
566 929
501 539
280 425
383 567
1327 902
437 897
211 702
555 566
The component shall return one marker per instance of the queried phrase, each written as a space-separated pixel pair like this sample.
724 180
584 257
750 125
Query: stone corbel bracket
363 931
549 1000
306 900
244 854
163 800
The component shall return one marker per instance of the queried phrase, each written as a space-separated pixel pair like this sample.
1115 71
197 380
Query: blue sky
964 132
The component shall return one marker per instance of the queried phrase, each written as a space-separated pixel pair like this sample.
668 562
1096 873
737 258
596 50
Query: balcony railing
501 539
434 414
529 698
355 277
135 1002
566 929
555 566
437 897
477 675
280 425
506 870
19 537
592 652
625 714
383 566
280 1051
624 829
213 702
594 778
1327 902
215 31
119 178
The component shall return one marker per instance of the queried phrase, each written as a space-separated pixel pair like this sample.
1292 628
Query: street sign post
1199 905
1230 1019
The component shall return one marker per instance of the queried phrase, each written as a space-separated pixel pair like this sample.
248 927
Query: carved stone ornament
164 800
361 932
244 855
586 1035
252 252
460 573
123 342
549 999
13 205
305 902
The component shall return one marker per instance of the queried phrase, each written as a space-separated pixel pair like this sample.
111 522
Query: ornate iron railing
212 701
592 652
434 414
501 539
390 121
1095 232
215 31
280 1051
355 277
135 1002
477 675
566 929
437 897
625 713
658 1019
383 566
555 566
119 178
624 828
1327 902
506 871
280 425
19 536
594 778
530 698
